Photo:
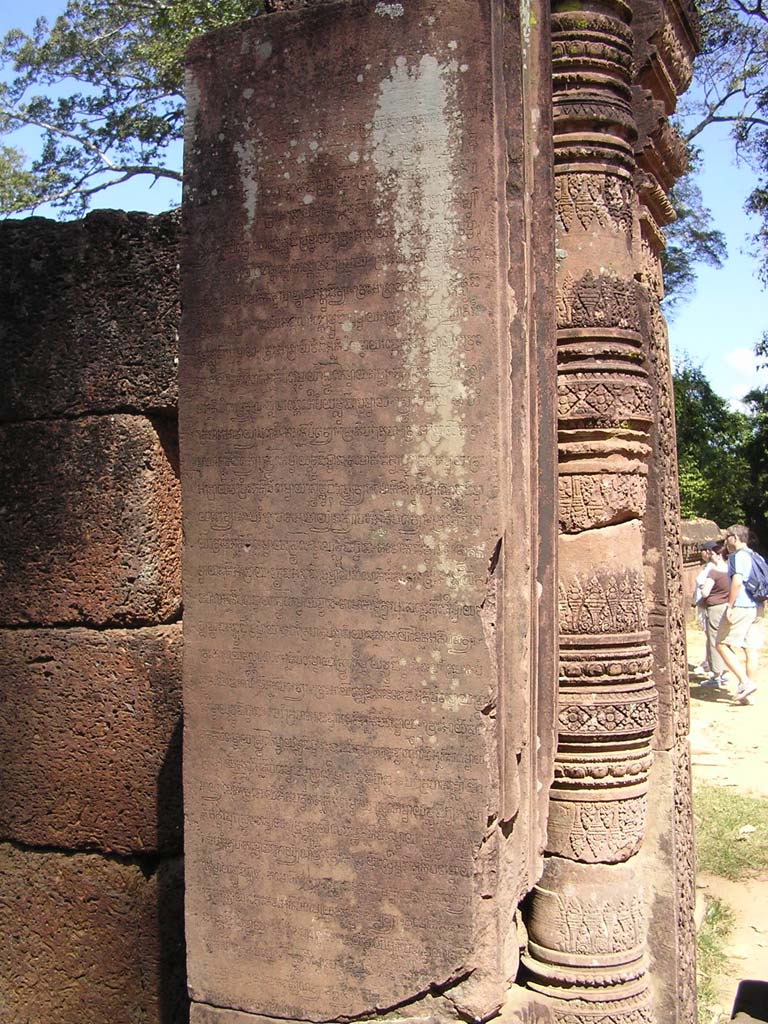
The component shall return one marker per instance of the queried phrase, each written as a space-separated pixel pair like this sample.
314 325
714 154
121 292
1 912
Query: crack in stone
435 990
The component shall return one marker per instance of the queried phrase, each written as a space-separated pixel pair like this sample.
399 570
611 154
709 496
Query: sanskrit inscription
343 431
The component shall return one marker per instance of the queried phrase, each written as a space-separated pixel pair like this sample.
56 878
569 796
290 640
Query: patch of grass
721 847
710 954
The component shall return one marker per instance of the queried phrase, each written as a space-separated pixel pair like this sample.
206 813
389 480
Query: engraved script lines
417 190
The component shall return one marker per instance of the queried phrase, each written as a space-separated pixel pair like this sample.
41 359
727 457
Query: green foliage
757 204
17 185
756 453
694 488
721 847
710 951
711 446
103 86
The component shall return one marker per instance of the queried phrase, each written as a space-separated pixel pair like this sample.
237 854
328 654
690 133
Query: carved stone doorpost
666 37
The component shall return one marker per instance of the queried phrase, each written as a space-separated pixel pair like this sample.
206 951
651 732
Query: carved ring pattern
599 832
615 774
588 666
604 399
579 924
609 718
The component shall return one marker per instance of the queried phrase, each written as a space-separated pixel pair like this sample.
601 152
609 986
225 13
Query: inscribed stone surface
344 430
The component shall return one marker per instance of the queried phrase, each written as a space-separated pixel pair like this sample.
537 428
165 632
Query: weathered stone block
87 938
520 1007
89 522
90 738
90 312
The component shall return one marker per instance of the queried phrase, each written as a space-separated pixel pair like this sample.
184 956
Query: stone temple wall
90 631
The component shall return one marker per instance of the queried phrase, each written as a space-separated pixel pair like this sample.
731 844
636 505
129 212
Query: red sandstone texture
90 738
520 1007
90 313
89 523
358 740
89 939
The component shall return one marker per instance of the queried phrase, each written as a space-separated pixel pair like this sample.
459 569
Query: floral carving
666 467
651 268
678 62
630 716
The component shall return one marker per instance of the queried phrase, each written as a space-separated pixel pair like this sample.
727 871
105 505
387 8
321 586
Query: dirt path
729 747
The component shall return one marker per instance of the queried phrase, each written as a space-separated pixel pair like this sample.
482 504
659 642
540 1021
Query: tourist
705 668
741 625
713 584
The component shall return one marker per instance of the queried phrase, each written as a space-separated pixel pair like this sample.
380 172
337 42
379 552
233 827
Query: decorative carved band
604 398
600 301
604 714
589 500
596 604
606 922
585 665
608 1013
586 200
587 930
621 770
591 68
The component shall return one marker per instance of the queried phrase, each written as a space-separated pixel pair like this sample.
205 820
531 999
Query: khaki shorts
746 629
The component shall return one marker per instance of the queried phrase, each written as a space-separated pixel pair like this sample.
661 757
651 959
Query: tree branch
47 126
125 174
761 122
756 11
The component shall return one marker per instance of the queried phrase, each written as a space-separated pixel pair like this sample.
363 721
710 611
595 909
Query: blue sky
137 194
728 313
717 328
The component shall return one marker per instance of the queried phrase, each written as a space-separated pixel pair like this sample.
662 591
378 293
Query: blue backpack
756 584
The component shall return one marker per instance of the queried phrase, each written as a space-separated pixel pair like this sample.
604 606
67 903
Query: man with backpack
741 625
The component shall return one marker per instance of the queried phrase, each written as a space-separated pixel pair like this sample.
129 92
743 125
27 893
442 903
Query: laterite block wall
90 623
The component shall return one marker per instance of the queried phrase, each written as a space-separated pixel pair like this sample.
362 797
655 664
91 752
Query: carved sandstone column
587 919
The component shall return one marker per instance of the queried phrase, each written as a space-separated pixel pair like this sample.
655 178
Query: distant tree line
722 453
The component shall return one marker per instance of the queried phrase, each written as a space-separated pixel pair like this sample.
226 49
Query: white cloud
738 373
